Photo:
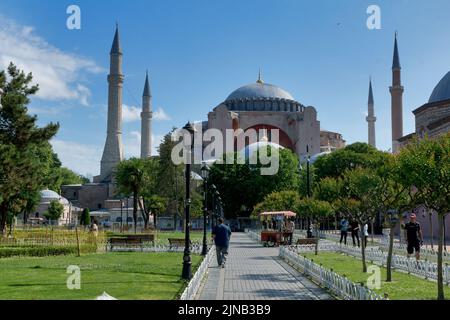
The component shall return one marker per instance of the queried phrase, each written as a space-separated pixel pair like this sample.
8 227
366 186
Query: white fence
337 284
195 248
194 284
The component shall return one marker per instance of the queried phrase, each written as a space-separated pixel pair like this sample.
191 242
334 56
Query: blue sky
199 51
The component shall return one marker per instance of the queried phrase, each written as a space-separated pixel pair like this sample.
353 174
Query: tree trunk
389 257
363 248
154 220
440 279
431 228
135 204
3 218
372 231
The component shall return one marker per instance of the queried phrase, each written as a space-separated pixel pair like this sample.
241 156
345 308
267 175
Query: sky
198 51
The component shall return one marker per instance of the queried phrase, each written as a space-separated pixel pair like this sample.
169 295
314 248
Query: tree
278 201
170 177
54 211
242 186
150 201
355 155
314 209
393 198
425 166
358 199
20 143
130 176
85 219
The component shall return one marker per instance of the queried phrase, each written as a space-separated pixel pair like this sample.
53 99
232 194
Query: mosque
258 105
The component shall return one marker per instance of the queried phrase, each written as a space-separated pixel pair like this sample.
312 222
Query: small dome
442 91
259 90
49 194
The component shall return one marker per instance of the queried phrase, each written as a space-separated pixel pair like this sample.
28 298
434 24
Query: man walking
354 225
413 235
221 235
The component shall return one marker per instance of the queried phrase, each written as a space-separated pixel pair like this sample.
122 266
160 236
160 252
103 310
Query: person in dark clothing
354 225
344 230
413 235
221 235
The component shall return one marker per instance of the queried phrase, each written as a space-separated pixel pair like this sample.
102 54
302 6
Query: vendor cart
273 232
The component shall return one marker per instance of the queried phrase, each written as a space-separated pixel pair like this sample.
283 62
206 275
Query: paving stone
255 272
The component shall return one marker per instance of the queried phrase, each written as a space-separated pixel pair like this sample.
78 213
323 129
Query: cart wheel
271 244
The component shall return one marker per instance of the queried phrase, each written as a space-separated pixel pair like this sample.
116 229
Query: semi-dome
259 90
442 91
249 151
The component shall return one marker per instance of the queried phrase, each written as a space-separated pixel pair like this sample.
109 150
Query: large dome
262 96
442 91
259 90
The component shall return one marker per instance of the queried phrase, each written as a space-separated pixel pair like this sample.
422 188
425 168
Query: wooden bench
177 242
131 240
309 241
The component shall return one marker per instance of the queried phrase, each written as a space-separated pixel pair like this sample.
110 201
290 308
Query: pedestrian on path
221 236
344 230
413 235
354 227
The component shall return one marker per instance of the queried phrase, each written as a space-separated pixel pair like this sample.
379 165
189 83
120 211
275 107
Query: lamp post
308 189
213 211
205 173
187 272
217 205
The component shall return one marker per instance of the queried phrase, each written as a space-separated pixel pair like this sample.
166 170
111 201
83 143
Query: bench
132 240
309 241
177 242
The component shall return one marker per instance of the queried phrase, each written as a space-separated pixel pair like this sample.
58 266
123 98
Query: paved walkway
254 272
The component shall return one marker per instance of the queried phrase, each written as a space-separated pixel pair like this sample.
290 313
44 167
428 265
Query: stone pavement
254 272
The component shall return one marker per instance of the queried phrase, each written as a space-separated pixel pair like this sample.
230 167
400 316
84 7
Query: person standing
290 228
354 226
221 235
413 235
366 234
344 230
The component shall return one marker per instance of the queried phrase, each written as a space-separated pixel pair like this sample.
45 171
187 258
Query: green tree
278 201
314 209
21 170
85 218
54 211
151 202
242 186
130 175
171 179
425 167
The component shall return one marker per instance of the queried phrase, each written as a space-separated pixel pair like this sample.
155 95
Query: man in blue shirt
221 235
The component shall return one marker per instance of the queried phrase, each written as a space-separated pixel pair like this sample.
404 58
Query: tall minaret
146 121
371 118
396 99
113 152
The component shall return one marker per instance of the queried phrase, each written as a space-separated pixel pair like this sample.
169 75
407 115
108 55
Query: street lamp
205 174
308 189
213 194
187 272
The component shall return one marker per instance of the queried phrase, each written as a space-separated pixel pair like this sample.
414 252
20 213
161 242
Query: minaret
396 99
146 121
113 152
371 119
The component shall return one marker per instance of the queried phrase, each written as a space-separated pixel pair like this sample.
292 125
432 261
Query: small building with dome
264 107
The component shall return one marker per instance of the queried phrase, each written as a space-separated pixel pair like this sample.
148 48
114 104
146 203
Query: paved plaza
254 272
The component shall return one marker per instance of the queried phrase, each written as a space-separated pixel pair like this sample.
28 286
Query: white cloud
161 115
130 113
81 158
56 72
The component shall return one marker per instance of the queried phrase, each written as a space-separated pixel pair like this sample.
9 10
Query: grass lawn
127 275
403 286
196 236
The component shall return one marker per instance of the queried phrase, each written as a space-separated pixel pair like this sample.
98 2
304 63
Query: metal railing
340 286
194 284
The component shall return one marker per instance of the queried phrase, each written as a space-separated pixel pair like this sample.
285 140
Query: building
331 141
264 107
